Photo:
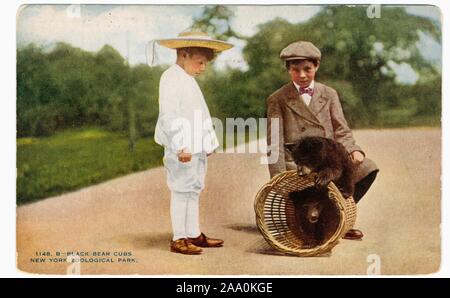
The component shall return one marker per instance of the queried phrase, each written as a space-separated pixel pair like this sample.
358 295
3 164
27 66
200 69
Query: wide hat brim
183 42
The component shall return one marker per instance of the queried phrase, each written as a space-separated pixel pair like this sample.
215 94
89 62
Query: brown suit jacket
323 117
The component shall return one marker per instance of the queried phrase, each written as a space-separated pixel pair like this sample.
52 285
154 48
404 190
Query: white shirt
184 121
306 97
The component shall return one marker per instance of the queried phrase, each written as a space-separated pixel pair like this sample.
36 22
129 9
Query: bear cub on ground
326 157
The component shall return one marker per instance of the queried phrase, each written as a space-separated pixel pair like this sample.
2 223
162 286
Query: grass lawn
74 159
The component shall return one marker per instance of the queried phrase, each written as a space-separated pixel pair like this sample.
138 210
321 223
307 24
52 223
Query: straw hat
195 39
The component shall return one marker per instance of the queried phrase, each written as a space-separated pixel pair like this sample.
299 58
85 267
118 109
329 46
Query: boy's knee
186 195
364 185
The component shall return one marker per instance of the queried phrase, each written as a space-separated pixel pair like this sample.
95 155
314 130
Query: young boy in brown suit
305 107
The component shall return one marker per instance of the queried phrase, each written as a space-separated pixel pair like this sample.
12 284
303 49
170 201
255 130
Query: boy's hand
184 156
357 157
209 154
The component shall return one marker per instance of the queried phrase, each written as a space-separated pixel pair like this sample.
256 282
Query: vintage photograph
228 139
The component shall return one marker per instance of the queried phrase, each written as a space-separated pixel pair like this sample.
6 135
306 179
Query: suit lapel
317 100
294 102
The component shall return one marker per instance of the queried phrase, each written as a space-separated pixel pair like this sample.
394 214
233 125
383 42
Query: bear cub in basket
328 159
309 204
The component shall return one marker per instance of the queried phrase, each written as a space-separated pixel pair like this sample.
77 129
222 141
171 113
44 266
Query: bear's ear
289 147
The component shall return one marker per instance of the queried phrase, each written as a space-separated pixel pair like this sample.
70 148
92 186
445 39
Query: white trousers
185 181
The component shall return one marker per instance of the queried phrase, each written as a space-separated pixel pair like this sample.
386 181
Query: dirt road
128 218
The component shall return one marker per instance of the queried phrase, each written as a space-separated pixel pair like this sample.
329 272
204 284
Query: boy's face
194 64
303 72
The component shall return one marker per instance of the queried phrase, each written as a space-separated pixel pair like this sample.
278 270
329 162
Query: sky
129 28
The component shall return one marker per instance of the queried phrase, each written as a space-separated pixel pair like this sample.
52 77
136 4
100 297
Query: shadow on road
242 227
259 246
160 241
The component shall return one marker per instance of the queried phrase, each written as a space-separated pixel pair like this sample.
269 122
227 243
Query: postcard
282 140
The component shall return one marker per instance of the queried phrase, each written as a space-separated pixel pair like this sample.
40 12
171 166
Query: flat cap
300 50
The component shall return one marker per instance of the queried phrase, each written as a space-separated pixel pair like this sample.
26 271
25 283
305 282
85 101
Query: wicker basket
275 215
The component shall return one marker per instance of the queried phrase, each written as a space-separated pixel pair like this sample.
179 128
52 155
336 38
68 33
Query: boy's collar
179 68
311 85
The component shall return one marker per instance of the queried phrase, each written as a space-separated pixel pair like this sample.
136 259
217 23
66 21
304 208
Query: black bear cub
329 159
309 204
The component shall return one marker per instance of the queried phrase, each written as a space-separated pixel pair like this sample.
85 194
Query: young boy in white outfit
185 130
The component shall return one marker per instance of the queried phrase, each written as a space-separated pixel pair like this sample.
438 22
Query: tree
215 20
69 87
355 49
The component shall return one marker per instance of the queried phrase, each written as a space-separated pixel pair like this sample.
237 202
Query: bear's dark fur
309 204
329 159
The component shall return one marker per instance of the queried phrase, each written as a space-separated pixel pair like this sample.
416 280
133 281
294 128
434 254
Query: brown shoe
183 246
353 234
204 241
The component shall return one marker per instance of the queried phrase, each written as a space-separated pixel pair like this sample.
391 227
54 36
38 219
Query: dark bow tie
307 90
